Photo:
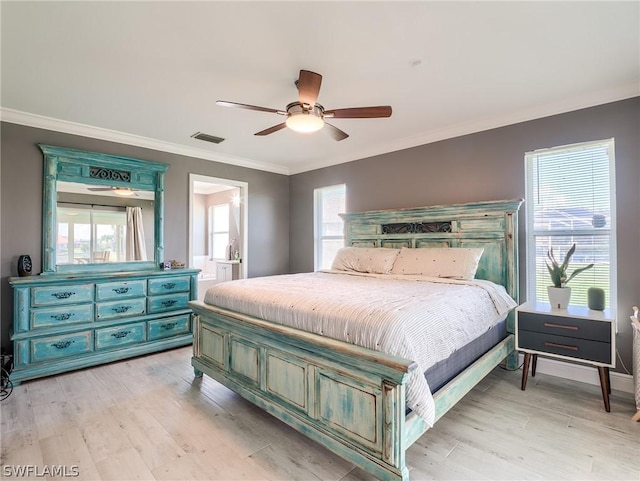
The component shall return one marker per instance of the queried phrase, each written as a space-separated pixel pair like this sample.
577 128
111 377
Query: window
328 229
218 231
88 234
571 199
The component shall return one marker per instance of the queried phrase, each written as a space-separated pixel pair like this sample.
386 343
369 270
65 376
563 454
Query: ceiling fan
121 191
305 115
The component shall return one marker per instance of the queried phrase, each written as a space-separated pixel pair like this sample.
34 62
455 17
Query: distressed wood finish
101 170
62 323
352 399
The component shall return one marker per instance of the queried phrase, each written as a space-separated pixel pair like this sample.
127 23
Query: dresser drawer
167 285
171 326
168 303
60 316
123 308
565 346
56 347
121 290
49 296
565 326
120 335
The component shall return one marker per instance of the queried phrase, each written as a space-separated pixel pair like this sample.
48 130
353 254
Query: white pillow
453 263
365 259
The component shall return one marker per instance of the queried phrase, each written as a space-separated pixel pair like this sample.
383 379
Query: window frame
531 233
318 238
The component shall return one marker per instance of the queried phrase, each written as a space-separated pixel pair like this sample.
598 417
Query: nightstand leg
525 370
534 364
605 386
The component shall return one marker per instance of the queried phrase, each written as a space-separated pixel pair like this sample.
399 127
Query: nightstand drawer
565 326
565 346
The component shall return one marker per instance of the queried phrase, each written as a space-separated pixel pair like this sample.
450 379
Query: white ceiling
149 73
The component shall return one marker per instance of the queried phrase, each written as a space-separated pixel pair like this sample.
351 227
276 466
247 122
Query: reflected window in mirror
98 225
90 234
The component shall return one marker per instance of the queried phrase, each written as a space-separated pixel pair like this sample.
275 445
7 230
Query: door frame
244 209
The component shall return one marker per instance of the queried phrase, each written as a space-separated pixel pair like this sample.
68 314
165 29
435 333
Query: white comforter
418 318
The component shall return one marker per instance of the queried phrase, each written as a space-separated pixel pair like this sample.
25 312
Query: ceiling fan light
123 192
304 122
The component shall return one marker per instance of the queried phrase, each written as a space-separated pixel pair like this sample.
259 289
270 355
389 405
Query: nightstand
575 334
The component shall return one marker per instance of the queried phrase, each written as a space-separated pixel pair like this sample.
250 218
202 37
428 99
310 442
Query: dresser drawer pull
62 317
169 325
121 334
169 285
169 302
121 309
62 344
561 346
63 295
121 290
561 326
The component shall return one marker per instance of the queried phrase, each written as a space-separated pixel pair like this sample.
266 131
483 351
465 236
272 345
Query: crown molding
49 123
566 105
487 123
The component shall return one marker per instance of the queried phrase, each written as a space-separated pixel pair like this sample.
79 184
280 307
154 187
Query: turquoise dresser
66 322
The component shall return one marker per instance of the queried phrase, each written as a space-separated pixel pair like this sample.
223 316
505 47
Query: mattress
414 317
445 370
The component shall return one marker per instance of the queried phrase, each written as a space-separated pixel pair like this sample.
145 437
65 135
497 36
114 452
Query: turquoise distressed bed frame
348 398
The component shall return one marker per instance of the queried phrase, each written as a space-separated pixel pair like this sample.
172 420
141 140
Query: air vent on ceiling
207 137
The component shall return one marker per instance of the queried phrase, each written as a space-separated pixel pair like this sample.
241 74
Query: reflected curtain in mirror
136 250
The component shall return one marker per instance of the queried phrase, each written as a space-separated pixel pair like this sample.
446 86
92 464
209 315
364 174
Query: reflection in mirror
98 224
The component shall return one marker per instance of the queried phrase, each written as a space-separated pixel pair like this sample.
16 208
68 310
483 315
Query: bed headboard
491 225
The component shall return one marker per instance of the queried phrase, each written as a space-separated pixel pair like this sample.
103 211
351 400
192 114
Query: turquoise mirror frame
78 166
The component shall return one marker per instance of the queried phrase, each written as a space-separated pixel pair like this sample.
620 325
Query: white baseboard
582 373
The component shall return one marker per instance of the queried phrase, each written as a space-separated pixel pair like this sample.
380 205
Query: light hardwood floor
148 418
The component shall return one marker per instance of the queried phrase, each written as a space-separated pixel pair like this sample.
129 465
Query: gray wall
488 166
21 201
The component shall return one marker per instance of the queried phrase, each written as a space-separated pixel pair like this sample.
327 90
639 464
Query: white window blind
329 228
570 199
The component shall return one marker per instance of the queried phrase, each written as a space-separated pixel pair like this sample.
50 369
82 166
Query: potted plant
559 293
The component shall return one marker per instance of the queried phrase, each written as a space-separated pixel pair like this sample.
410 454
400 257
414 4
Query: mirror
95 224
101 213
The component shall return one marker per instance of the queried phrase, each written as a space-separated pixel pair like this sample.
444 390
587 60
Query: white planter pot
559 297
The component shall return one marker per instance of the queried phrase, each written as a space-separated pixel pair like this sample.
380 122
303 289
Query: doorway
217 228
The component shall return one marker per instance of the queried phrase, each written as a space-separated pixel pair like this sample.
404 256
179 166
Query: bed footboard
349 399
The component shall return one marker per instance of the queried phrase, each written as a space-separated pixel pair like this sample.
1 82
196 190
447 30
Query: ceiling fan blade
359 112
271 130
309 87
224 103
335 132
